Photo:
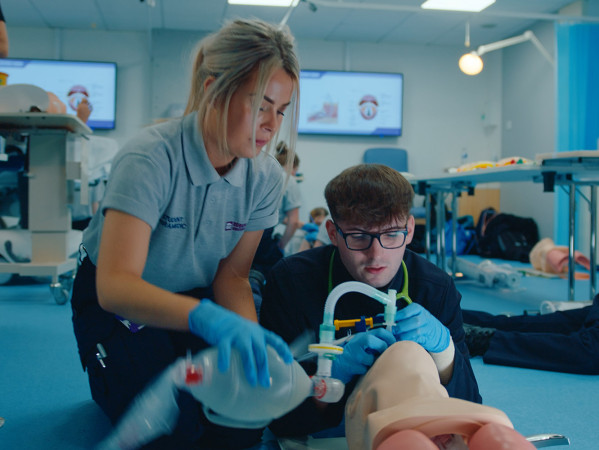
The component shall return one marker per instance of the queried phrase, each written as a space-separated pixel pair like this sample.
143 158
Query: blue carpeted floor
45 400
536 401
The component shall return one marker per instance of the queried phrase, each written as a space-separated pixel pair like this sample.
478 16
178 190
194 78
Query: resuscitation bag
227 397
229 400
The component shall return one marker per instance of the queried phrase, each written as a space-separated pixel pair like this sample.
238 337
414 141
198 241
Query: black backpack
506 236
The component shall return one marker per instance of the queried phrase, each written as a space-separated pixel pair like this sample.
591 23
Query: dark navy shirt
293 302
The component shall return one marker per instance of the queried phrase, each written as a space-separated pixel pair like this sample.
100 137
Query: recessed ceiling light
264 2
458 5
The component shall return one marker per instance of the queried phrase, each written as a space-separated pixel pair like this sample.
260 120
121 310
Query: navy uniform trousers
133 360
562 341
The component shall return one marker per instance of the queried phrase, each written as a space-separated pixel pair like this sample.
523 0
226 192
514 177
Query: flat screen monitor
350 103
71 81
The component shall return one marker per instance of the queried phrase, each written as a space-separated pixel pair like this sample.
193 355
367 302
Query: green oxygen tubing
403 295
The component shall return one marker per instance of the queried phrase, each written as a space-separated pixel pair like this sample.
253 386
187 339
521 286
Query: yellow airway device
352 323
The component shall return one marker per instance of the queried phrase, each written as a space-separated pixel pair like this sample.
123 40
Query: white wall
528 121
443 111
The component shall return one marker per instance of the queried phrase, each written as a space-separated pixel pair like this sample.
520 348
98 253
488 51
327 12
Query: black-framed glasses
363 241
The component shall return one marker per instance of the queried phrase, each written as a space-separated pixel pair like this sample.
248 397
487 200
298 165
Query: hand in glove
415 323
360 352
226 329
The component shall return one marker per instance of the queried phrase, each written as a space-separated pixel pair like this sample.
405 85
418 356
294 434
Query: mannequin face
375 266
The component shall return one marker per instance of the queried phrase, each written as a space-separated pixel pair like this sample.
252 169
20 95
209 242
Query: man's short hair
369 195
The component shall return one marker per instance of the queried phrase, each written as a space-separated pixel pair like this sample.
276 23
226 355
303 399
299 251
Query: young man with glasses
369 229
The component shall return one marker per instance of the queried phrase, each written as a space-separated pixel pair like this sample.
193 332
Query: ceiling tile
388 21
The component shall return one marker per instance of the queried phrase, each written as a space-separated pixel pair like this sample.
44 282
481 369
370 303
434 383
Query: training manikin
417 412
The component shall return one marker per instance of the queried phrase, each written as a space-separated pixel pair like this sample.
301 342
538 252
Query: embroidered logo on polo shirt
173 222
235 226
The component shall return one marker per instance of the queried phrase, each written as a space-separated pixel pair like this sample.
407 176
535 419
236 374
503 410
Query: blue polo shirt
164 177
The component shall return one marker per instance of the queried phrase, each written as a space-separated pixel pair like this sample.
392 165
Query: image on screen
358 103
71 81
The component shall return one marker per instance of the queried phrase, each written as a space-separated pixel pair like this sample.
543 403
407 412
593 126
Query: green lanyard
400 295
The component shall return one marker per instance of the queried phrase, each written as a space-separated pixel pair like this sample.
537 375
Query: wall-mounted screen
71 81
355 103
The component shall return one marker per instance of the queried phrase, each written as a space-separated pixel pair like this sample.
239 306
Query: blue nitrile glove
360 352
311 230
415 323
226 329
310 227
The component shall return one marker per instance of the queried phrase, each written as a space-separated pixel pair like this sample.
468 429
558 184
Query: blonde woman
165 261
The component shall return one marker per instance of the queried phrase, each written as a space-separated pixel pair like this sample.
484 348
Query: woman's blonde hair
231 56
